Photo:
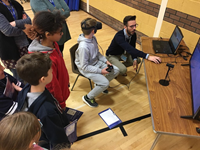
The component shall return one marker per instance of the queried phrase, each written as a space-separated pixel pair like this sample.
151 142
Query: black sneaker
90 102
124 74
105 92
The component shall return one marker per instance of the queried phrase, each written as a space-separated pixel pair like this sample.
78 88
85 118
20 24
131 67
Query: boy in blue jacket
36 69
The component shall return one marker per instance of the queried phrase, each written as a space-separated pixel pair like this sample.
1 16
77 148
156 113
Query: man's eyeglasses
136 25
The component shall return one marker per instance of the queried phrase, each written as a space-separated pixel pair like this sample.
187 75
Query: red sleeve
54 87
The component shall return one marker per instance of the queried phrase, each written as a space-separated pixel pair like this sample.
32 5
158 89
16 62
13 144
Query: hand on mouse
155 59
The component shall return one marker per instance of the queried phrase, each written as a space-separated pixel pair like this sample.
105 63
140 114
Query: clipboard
110 118
70 131
73 114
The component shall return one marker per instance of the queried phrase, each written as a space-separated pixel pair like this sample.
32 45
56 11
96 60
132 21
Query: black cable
101 49
129 83
180 47
115 86
168 55
103 55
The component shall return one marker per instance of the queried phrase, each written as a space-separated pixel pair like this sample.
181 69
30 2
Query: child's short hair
87 25
31 67
128 18
45 21
18 131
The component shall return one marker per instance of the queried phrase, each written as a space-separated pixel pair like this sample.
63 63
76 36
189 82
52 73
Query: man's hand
155 59
103 71
13 23
17 88
135 65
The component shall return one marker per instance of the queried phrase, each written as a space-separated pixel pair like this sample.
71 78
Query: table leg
140 66
155 141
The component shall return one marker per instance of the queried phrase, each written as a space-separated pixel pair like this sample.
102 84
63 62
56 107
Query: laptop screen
175 39
195 79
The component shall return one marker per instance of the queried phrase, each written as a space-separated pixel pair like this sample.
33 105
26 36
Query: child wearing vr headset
91 63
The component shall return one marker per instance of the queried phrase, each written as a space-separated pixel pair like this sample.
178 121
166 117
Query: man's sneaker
124 74
105 92
90 102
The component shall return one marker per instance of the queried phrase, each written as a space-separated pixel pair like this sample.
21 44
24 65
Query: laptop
171 46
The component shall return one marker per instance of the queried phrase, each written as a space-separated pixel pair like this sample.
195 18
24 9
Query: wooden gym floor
128 102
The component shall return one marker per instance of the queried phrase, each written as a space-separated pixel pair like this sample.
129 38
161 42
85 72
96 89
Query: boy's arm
101 57
84 61
54 130
17 88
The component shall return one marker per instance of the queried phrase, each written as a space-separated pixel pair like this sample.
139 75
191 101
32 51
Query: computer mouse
158 61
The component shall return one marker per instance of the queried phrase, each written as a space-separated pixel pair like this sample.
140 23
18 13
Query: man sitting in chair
91 63
123 48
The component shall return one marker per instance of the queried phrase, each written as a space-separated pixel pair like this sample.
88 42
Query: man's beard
129 32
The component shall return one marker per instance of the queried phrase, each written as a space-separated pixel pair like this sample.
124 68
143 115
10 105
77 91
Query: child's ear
42 79
47 34
92 32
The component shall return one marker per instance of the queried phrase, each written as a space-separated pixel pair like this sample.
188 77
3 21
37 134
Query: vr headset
97 27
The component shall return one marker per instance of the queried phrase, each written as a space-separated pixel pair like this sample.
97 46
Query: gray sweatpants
101 81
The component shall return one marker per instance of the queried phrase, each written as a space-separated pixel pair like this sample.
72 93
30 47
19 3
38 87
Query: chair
74 67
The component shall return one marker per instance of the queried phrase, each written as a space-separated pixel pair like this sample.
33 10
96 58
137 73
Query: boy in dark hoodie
36 69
